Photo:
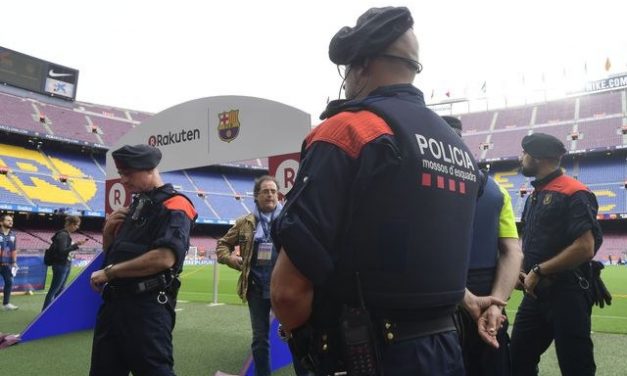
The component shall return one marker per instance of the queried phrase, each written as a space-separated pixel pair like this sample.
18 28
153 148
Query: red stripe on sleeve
350 131
180 203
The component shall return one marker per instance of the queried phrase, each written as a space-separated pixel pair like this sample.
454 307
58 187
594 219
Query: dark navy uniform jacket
559 211
401 215
163 220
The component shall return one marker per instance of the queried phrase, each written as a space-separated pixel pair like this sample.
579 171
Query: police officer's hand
489 324
476 305
98 280
520 282
235 262
531 281
114 220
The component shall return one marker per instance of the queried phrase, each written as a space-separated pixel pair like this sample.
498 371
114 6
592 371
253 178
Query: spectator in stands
8 259
62 260
560 236
495 260
374 239
257 255
145 247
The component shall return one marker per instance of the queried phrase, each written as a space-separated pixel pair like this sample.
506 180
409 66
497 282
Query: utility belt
166 284
342 349
391 331
591 284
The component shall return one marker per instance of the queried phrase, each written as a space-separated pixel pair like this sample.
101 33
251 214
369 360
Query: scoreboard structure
40 76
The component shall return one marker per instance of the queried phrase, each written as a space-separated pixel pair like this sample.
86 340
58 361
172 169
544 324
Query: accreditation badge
264 254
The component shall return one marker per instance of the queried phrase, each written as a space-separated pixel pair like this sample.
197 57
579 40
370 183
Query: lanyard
266 226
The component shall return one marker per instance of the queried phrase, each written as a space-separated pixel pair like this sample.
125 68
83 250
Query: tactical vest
484 250
409 238
139 229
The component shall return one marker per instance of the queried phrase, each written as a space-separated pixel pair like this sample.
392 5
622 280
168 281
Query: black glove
600 295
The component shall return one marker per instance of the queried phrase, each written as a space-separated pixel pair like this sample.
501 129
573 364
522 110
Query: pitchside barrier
31 273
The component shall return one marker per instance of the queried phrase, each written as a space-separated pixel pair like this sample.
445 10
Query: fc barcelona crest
228 126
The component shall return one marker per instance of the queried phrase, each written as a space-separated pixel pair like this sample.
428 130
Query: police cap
375 31
137 157
542 145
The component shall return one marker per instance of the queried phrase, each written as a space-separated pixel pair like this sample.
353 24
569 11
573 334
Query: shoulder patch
181 203
566 185
350 131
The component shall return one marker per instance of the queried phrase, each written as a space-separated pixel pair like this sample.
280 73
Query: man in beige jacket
256 259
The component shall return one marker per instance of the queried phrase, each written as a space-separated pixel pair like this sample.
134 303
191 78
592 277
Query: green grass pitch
210 338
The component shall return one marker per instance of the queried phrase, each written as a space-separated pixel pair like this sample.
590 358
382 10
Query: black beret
454 122
375 31
138 157
542 145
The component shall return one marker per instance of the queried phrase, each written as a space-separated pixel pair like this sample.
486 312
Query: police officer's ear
365 67
361 68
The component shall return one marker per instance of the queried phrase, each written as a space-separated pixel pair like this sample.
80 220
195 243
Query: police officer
495 260
376 231
145 246
560 235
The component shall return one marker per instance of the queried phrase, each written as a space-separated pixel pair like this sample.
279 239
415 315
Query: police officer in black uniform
376 231
560 236
495 260
145 246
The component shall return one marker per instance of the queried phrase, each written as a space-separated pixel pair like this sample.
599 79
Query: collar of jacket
339 105
539 183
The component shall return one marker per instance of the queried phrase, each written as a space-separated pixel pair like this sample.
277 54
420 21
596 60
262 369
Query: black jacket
63 246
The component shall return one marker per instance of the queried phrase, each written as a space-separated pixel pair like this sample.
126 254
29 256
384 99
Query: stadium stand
563 132
209 182
179 180
506 144
62 179
476 122
75 165
600 133
110 130
513 118
602 104
139 116
9 194
19 113
228 206
586 123
104 111
56 177
555 111
613 245
65 122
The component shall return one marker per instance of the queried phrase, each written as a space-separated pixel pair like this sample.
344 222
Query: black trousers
481 359
133 334
561 313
